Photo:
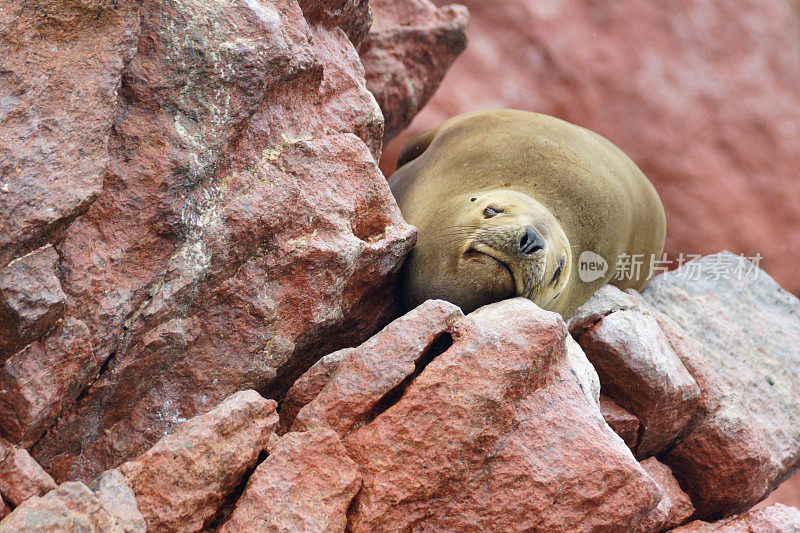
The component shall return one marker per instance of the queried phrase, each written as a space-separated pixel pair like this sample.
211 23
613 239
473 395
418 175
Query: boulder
750 334
21 477
117 498
239 225
407 52
70 507
499 433
183 481
621 421
702 95
777 518
675 507
306 484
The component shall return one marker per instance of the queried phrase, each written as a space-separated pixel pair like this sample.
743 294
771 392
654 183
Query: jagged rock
407 52
21 477
370 375
637 367
675 507
5 510
31 299
776 518
181 483
61 62
306 484
242 231
621 421
750 333
497 433
308 386
70 507
117 498
702 95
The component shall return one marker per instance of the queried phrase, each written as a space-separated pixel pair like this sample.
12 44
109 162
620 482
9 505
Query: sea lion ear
418 144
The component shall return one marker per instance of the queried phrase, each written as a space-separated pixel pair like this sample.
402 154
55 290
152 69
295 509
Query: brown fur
577 189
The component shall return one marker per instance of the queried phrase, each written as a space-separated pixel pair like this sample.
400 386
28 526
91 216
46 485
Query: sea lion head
485 246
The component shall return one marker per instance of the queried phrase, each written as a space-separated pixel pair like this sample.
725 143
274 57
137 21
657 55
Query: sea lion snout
530 242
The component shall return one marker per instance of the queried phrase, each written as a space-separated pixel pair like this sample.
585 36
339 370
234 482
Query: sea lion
514 203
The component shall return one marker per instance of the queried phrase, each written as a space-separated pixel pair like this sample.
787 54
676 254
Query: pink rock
621 421
306 484
5 510
31 299
117 498
181 483
497 434
748 328
639 370
21 477
244 228
62 65
776 518
308 386
407 52
703 96
70 507
675 507
379 368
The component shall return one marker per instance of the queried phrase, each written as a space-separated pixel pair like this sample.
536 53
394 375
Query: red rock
675 507
621 421
70 507
372 372
496 433
31 299
20 476
407 52
776 518
703 96
243 230
308 386
788 493
5 510
181 483
748 328
62 64
306 484
641 372
37 383
352 16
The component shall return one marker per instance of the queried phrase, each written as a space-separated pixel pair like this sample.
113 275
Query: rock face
776 518
190 205
182 482
407 52
306 484
703 96
675 507
21 477
750 333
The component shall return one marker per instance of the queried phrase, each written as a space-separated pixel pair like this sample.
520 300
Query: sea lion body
506 201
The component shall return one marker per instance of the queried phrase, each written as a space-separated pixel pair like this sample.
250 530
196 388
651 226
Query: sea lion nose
530 242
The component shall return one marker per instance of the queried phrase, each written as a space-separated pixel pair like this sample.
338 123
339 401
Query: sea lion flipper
418 144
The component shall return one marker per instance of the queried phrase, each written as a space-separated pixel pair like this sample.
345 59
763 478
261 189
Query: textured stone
308 386
243 231
407 52
497 433
70 507
621 421
675 507
306 484
702 95
181 483
5 510
61 63
21 477
379 368
117 498
776 518
750 333
31 299
640 371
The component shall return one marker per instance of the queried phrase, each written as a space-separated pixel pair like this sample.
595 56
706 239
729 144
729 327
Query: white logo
591 266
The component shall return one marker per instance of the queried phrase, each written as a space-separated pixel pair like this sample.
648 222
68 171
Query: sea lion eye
489 212
472 199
